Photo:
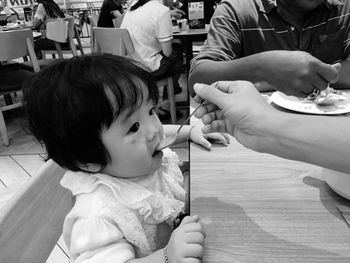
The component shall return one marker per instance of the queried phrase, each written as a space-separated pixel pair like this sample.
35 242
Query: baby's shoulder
98 203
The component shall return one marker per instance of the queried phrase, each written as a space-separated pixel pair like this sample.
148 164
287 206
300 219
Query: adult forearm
314 139
251 68
207 72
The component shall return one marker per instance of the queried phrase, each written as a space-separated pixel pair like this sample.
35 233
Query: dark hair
68 105
139 4
51 8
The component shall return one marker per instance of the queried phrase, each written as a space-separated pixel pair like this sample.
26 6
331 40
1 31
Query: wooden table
260 208
187 37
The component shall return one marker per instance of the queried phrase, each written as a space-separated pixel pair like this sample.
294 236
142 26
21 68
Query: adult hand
177 13
296 72
235 107
186 242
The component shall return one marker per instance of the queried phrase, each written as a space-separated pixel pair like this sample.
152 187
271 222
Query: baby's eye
134 127
152 112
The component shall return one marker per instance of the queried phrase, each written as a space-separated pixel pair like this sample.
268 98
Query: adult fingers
215 126
306 91
329 72
205 108
212 116
319 83
210 94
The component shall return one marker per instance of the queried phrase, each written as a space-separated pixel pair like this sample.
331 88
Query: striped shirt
241 28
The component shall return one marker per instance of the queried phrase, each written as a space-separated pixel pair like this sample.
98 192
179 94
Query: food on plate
327 97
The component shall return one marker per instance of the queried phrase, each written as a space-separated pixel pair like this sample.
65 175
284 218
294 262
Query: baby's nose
153 132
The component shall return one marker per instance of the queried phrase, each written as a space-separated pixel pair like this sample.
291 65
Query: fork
169 140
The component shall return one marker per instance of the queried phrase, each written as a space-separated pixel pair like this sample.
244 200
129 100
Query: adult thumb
209 94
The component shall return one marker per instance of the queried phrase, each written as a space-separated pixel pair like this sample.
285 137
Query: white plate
305 106
339 182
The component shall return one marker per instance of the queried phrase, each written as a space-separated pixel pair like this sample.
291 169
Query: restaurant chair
93 19
31 222
58 32
72 33
117 41
14 45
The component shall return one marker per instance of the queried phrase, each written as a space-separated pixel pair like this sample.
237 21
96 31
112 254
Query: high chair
14 44
31 222
117 41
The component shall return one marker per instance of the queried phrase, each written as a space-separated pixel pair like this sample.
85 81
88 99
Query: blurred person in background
286 45
150 27
47 10
110 9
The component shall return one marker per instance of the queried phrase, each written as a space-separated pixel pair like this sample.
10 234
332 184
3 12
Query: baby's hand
198 137
186 242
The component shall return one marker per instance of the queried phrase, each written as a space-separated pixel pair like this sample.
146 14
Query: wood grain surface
260 208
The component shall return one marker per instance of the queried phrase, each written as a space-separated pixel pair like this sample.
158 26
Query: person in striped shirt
294 46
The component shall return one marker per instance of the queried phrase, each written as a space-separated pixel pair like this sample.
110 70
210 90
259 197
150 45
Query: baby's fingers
195 238
192 260
189 219
219 137
204 142
194 251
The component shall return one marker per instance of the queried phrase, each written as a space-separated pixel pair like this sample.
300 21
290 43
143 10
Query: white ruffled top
114 219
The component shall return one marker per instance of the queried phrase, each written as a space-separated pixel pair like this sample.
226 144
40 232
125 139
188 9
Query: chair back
57 31
31 222
93 19
71 33
18 44
116 41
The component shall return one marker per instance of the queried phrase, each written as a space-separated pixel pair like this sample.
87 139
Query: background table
260 208
188 37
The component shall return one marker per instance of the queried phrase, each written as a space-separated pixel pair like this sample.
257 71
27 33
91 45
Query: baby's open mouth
156 152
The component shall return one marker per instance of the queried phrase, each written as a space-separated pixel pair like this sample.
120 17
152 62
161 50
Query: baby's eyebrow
128 114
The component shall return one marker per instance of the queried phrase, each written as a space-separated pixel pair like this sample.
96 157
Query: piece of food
328 97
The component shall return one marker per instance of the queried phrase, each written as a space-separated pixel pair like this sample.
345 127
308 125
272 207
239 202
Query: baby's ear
90 167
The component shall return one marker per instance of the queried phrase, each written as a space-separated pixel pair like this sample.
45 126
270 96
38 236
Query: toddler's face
131 142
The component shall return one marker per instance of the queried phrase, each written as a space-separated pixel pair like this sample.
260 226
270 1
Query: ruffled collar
156 205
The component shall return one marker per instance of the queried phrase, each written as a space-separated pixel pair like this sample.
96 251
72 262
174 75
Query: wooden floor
24 156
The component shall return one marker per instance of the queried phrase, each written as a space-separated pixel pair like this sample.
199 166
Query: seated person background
150 27
110 9
47 10
286 45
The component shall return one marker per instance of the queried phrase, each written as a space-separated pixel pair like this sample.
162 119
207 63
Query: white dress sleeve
97 240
